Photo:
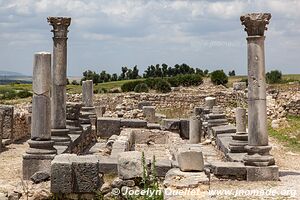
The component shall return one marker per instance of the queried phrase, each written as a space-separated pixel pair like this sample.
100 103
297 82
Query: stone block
143 103
239 86
62 174
190 159
130 165
171 124
108 165
162 167
184 128
100 110
229 128
8 121
269 173
232 170
133 123
33 163
149 112
86 174
153 126
107 127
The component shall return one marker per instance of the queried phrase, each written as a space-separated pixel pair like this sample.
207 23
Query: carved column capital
255 23
60 26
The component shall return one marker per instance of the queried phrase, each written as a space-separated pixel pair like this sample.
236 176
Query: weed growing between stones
149 183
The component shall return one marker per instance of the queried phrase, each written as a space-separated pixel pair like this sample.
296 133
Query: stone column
59 80
38 157
88 108
258 148
240 138
1 129
195 130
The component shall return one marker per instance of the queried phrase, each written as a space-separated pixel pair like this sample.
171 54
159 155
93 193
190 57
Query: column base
269 173
60 137
35 163
41 147
239 141
258 156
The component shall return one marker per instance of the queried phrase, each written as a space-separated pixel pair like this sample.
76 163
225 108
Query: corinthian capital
255 23
60 26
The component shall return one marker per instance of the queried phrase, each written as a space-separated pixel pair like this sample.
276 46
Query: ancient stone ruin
75 144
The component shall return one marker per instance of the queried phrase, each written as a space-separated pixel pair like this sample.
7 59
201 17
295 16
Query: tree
123 73
274 76
206 72
164 70
231 73
114 77
135 72
218 77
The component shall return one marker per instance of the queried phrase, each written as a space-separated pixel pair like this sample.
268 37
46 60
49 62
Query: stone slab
231 170
270 173
153 126
185 128
107 127
180 180
222 142
133 123
108 165
162 167
223 129
171 124
130 165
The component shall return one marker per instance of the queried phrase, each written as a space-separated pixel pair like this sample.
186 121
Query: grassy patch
289 136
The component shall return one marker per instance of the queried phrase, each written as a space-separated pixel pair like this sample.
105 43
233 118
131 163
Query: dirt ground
288 162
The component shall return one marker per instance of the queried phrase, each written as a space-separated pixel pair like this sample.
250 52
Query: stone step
231 170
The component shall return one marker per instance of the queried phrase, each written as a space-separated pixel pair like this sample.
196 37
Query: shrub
151 82
162 86
24 94
274 76
218 77
129 86
185 80
9 94
142 87
74 82
100 91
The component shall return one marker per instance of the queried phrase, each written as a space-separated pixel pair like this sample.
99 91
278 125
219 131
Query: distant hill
9 73
7 77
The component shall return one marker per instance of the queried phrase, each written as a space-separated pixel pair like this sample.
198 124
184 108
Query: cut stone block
86 174
153 126
223 129
61 174
232 170
149 112
269 173
130 165
108 165
107 127
162 167
184 128
133 123
180 180
143 103
190 159
171 124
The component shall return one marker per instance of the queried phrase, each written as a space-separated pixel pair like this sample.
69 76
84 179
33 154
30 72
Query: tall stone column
258 148
38 157
59 80
88 108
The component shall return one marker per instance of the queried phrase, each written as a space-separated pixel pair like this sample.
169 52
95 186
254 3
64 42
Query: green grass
289 136
107 86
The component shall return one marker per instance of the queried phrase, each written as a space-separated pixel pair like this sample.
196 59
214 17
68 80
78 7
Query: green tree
274 76
218 77
231 73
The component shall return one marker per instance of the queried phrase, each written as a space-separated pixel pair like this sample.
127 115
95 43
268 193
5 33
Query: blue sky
109 34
